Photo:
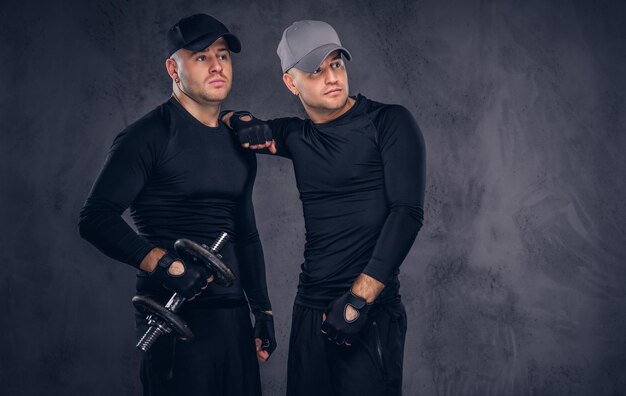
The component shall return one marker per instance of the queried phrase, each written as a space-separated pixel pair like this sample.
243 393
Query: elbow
418 215
410 211
94 217
85 225
91 220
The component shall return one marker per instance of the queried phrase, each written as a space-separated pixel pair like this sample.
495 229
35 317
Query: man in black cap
360 170
183 175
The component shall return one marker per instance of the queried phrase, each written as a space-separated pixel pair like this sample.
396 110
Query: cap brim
205 41
311 61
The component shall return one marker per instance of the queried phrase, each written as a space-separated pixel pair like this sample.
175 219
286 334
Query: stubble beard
328 106
204 94
213 96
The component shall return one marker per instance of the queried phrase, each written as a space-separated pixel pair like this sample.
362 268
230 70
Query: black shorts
371 366
221 360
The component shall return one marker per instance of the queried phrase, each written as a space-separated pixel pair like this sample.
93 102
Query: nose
330 75
214 64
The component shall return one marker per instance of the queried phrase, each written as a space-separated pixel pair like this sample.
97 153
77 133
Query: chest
335 159
203 165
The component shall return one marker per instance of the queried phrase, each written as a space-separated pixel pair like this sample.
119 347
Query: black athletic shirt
361 181
181 179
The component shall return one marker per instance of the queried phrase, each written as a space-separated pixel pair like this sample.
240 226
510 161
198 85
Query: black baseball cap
196 32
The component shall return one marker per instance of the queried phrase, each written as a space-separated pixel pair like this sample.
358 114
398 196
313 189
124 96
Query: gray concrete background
515 284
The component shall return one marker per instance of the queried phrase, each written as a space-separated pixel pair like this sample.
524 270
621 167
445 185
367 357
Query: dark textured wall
515 284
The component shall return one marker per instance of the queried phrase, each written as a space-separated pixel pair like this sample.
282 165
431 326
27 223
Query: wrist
367 288
260 312
357 302
225 117
369 298
149 263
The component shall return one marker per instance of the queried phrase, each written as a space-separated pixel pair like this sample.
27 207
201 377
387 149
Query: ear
172 68
289 81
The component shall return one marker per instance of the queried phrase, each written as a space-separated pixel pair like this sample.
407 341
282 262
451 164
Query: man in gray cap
183 175
360 170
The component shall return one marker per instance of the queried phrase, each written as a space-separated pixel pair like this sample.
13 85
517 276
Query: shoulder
152 128
392 122
382 113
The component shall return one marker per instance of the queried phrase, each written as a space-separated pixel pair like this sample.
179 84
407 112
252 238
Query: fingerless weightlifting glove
254 131
264 330
340 328
187 284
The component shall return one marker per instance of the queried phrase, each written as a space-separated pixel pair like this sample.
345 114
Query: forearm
103 227
394 242
253 278
403 154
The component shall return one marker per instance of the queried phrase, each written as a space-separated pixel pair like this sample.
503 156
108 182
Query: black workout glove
254 131
337 327
264 330
187 284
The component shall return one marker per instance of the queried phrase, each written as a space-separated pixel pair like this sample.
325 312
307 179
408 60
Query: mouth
217 83
333 92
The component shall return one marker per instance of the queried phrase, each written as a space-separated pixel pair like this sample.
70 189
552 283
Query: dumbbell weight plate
148 306
223 276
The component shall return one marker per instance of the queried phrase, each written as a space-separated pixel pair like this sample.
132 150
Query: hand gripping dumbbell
163 319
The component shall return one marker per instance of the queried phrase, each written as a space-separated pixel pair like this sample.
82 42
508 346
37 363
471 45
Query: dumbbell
163 319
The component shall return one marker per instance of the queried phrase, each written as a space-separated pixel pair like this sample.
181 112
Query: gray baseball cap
305 45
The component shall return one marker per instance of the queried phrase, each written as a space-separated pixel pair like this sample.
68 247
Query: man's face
205 76
326 88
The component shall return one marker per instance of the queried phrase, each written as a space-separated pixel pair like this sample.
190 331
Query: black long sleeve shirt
180 179
361 180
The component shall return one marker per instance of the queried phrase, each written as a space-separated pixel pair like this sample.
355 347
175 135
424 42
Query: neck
206 113
322 116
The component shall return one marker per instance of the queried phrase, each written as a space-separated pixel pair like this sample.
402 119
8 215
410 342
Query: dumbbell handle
177 300
156 328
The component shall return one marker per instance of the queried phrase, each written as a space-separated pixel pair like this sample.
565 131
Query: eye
201 58
337 65
317 71
222 57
